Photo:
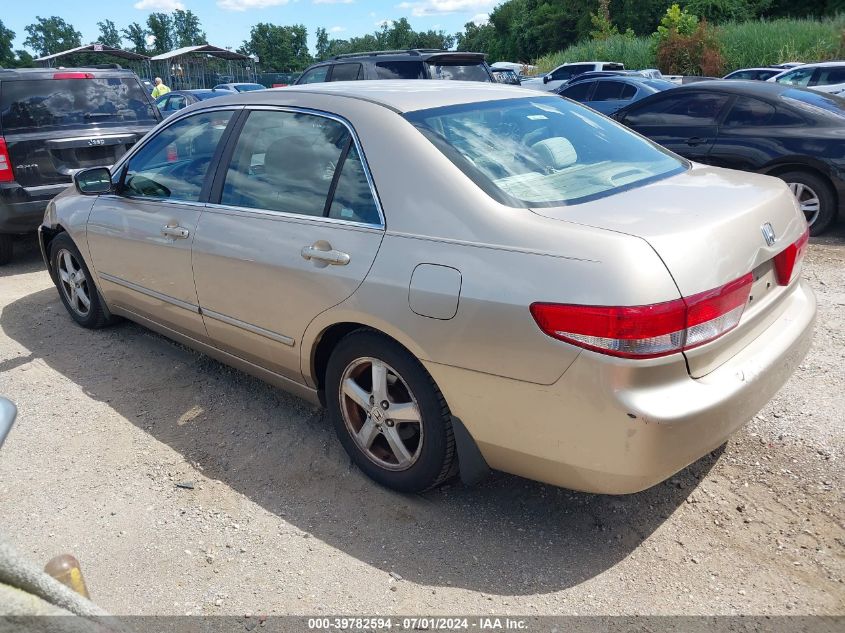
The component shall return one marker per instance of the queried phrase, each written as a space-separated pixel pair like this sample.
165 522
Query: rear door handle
333 257
695 140
176 232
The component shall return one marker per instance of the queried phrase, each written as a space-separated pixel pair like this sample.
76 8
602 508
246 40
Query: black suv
54 122
418 63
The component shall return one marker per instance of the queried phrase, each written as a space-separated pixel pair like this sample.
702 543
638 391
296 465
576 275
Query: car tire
7 248
75 284
815 196
411 454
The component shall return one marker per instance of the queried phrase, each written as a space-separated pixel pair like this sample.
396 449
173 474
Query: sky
227 22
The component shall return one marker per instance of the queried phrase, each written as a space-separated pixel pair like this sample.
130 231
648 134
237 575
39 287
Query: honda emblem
768 234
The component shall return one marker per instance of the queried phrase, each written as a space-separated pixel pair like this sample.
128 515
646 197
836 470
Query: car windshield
817 103
462 71
32 104
543 151
248 87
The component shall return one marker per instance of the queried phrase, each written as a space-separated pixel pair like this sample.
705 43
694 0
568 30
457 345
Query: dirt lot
278 521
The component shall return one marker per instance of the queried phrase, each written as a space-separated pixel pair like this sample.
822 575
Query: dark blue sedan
609 94
175 100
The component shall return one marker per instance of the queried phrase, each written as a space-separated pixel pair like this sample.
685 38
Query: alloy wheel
808 199
381 414
74 283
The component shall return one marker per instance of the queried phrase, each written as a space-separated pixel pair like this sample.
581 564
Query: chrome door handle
336 258
176 232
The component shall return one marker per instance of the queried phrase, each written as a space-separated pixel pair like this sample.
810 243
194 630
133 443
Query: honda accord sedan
468 276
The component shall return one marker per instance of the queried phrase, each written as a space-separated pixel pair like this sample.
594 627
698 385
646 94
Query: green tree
160 26
136 35
322 44
51 35
726 10
279 48
187 30
7 55
24 59
109 34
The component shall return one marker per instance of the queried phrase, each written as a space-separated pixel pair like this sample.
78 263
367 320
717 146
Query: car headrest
556 152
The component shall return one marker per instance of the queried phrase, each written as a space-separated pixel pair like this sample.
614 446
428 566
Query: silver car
468 276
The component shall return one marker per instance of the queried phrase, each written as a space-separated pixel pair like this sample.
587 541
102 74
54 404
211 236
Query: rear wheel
815 196
389 415
75 284
6 248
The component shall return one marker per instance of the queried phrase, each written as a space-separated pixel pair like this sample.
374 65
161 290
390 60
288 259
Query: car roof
399 95
819 64
390 56
47 73
761 68
742 87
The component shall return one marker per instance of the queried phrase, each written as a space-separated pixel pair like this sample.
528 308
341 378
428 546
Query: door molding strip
151 293
249 327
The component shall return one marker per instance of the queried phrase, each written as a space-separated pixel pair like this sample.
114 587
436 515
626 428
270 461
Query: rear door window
174 164
315 75
28 105
686 109
298 163
749 112
579 92
613 91
400 70
346 72
461 71
829 76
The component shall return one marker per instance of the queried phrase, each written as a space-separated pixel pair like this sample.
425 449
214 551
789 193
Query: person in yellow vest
160 88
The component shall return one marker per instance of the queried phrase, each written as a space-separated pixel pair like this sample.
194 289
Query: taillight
73 75
787 260
647 331
6 173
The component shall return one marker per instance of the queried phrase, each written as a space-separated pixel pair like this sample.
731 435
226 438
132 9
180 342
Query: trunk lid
707 226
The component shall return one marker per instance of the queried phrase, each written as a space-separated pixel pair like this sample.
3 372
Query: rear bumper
22 208
614 426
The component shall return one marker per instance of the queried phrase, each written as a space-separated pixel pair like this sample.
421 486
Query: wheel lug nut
389 422
385 404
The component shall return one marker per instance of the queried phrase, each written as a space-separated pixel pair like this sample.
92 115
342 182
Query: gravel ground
278 521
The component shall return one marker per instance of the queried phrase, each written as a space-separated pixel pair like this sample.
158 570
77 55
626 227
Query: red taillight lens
6 173
651 330
787 260
73 75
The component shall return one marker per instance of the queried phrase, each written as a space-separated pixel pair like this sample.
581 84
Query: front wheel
75 284
389 415
815 197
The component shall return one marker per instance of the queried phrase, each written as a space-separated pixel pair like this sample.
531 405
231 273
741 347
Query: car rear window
544 151
818 103
461 71
30 104
400 70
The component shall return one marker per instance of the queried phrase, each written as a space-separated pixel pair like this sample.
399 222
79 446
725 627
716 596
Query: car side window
610 91
177 102
579 92
161 102
562 74
685 109
830 75
353 198
289 162
400 70
346 72
174 164
315 75
798 77
749 112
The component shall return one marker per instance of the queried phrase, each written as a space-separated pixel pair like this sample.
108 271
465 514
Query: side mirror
93 181
546 79
7 418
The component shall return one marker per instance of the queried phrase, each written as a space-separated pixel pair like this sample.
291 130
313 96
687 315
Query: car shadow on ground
26 259
505 536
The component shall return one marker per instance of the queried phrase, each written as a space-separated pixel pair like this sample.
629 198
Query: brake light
6 173
647 331
73 75
788 259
